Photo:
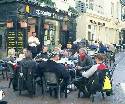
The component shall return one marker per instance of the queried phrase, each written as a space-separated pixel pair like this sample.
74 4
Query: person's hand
79 67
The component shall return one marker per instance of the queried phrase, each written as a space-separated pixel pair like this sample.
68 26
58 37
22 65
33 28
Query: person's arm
90 72
37 41
30 40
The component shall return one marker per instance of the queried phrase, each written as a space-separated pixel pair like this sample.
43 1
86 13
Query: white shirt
33 41
90 72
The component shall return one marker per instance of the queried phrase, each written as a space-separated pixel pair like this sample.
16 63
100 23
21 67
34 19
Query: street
117 97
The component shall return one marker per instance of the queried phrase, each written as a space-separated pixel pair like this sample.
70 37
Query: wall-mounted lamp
23 24
9 24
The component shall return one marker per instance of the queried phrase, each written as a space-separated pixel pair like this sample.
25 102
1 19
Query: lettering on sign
38 12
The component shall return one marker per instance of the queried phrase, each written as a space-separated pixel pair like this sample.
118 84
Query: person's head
99 58
33 34
57 49
55 56
45 48
65 53
28 55
82 53
11 52
25 50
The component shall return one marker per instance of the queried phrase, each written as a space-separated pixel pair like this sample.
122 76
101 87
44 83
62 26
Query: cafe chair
51 82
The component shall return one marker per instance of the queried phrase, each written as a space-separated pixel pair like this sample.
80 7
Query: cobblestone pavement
117 97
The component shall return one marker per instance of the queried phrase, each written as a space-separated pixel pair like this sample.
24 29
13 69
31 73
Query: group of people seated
58 61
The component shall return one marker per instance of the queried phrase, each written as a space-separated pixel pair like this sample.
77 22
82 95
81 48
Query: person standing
33 42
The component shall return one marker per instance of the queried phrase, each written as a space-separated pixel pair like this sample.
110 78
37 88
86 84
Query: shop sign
39 12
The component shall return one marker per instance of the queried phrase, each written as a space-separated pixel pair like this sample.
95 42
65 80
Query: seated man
44 54
52 66
84 61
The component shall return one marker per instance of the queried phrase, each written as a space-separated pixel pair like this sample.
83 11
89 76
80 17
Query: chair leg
59 92
79 94
66 92
6 74
103 95
93 98
50 91
11 79
3 74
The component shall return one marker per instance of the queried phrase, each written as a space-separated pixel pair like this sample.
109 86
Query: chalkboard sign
20 40
13 42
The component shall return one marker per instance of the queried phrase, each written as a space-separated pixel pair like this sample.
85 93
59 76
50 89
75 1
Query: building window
2 36
91 6
91 21
0 41
103 24
89 26
112 9
89 35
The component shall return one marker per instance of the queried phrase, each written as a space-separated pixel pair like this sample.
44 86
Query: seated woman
99 58
82 83
22 54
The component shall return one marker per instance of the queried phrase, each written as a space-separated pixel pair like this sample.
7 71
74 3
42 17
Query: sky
64 5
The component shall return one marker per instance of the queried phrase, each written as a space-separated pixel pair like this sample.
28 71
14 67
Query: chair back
10 70
1 68
96 81
51 78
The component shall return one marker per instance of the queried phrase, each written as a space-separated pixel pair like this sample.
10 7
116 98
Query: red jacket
102 67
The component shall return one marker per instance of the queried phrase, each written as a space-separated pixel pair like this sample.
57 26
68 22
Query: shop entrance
51 34
2 37
122 37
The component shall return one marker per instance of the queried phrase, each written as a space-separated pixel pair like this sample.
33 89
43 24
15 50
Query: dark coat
52 66
28 65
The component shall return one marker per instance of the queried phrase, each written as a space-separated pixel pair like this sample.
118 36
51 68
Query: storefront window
51 32
2 37
0 41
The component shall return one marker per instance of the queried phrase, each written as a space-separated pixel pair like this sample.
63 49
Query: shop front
23 18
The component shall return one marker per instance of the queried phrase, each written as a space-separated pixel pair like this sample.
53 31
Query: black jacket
52 66
28 65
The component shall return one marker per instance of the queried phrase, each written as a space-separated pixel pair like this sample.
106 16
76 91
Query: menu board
14 42
20 40
11 40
